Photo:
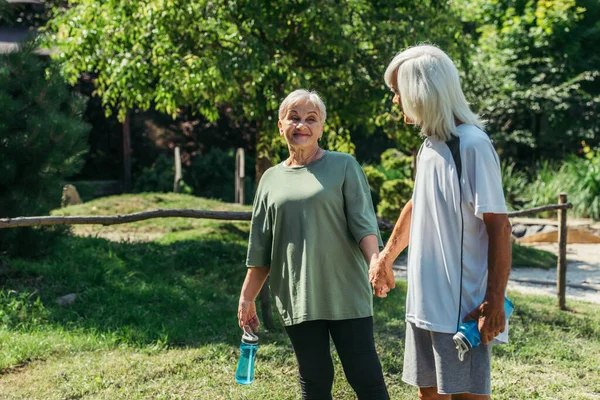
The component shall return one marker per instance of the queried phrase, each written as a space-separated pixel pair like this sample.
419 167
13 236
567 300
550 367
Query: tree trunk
264 162
127 153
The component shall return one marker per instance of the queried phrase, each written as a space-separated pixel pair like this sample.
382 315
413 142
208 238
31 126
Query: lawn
157 320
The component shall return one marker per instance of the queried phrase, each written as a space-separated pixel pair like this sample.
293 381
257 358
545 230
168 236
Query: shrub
210 175
42 141
514 183
391 183
578 177
159 177
395 194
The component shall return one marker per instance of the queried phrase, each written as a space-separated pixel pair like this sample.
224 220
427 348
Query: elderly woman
314 231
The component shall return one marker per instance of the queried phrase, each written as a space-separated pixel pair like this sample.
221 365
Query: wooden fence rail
187 213
562 208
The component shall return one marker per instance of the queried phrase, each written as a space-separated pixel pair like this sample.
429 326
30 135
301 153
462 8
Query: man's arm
490 314
381 274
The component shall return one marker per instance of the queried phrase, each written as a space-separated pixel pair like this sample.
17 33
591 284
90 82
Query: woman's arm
370 248
255 279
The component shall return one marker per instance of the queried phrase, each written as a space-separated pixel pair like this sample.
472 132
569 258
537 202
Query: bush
159 177
391 183
578 177
210 175
395 194
42 142
514 183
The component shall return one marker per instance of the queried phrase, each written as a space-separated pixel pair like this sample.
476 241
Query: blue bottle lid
249 337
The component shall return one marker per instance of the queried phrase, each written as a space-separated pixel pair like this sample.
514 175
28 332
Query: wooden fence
561 207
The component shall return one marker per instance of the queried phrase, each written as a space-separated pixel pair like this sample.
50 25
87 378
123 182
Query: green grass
148 229
157 320
524 256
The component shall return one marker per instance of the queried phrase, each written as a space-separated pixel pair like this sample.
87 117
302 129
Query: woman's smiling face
302 126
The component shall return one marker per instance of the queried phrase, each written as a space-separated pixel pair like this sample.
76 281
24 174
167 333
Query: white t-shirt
434 271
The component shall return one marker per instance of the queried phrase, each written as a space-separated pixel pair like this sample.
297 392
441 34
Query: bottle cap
462 345
249 337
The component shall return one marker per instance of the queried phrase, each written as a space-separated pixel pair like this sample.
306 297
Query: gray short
431 360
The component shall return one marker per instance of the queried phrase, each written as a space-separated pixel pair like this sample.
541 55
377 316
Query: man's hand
381 276
490 318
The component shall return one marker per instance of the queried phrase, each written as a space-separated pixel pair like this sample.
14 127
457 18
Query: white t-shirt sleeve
484 190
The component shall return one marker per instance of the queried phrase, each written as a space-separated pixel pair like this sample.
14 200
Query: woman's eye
310 120
295 119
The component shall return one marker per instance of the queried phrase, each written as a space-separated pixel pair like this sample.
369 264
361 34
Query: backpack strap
454 146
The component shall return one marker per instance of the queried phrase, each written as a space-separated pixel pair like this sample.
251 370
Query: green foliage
578 177
210 175
159 177
395 194
247 56
396 164
42 141
391 183
534 77
514 184
21 309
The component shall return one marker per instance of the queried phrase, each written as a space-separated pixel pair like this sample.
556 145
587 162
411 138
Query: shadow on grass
524 256
177 292
181 291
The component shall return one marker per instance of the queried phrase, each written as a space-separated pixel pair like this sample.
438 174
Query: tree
245 55
42 141
536 82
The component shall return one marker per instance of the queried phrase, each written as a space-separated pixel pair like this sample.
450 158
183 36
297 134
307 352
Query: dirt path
583 273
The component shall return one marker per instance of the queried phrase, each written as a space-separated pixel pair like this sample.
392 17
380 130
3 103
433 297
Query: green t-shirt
307 224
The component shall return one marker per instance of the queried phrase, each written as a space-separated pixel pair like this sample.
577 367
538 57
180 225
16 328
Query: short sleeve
261 236
360 212
485 179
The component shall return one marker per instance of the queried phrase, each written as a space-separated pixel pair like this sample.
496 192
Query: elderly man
457 227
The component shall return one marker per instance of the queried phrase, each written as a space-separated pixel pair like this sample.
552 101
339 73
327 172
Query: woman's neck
301 157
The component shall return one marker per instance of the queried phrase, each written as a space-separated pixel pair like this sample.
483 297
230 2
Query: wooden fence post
561 267
239 176
177 170
127 152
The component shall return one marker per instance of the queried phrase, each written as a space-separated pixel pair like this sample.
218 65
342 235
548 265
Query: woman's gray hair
302 96
428 84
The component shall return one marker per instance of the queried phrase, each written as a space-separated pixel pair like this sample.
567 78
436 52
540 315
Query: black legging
354 342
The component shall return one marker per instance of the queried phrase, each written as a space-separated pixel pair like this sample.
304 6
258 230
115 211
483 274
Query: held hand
381 277
247 315
490 318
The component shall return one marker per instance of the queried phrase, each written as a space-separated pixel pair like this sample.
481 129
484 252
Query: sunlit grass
157 320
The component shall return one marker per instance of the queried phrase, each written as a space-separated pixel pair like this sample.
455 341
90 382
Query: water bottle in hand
468 338
248 347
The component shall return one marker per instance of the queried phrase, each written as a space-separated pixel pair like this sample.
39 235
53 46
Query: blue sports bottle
468 337
245 369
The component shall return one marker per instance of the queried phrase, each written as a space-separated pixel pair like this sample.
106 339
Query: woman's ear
279 125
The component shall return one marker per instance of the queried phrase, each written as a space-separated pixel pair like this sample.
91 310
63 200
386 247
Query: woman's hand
247 315
381 276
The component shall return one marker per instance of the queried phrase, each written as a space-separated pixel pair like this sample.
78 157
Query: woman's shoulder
271 175
346 158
